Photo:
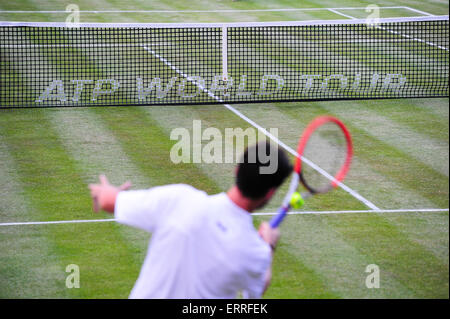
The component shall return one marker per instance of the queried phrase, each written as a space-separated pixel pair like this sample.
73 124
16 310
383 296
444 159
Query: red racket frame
309 130
339 177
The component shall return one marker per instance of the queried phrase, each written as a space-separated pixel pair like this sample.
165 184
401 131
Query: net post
224 53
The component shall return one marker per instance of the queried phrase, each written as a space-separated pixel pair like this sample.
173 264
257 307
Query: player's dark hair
262 167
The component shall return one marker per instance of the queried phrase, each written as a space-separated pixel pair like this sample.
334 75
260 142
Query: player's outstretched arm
104 194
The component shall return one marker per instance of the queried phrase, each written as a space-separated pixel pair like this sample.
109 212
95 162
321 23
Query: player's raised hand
269 235
104 194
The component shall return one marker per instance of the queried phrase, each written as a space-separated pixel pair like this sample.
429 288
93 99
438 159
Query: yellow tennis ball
297 200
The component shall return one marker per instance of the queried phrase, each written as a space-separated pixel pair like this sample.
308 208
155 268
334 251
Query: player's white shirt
201 246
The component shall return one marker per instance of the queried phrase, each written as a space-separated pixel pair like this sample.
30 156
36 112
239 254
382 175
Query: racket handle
278 218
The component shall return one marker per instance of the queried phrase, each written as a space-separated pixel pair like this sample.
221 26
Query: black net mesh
45 66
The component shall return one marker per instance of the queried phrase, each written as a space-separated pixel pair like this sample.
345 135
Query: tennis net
99 64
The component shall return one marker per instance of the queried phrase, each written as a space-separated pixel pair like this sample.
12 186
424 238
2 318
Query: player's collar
239 211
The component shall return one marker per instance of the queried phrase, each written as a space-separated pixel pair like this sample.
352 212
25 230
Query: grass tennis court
48 156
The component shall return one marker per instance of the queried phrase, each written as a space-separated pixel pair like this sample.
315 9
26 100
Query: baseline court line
419 11
327 212
420 210
59 222
199 11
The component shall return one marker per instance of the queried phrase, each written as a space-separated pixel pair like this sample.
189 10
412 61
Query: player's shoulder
181 190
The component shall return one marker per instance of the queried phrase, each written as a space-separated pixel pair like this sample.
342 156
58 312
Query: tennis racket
326 147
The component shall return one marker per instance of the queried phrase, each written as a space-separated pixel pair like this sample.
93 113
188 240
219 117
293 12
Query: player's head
261 170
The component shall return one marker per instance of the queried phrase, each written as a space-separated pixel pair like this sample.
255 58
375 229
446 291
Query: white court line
221 24
327 212
405 35
419 11
76 221
398 7
413 38
268 134
341 14
197 11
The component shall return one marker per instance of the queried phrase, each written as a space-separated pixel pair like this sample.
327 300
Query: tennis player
202 246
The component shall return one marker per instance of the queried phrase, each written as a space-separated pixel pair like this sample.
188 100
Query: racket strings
327 148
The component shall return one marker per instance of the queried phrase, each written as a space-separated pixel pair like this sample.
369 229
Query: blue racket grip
278 218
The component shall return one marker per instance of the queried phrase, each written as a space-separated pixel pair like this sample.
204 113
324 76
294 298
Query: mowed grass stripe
428 187
149 148
217 16
169 118
304 260
395 184
13 206
93 146
320 247
22 273
29 268
24 5
292 279
431 151
406 173
393 251
54 187
438 107
173 17
429 230
96 151
391 176
427 117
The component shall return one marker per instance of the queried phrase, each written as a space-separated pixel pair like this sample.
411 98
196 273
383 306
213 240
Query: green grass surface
48 156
